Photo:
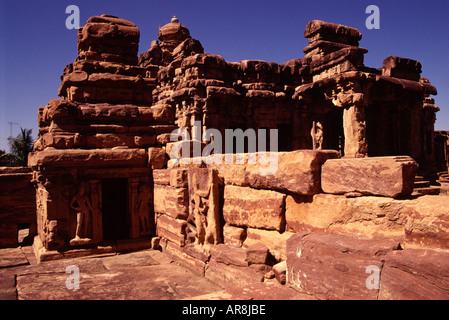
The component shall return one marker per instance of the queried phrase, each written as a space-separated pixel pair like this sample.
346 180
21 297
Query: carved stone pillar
354 126
350 97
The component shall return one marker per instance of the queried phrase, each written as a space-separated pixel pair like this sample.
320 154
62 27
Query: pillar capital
348 94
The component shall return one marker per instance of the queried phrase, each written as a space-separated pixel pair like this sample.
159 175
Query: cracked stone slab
141 275
135 259
12 257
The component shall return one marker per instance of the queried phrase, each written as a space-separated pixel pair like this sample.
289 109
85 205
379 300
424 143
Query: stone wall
17 205
321 239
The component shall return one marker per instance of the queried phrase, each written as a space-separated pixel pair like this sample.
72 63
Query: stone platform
143 275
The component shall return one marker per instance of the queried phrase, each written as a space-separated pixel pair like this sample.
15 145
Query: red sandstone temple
100 142
349 137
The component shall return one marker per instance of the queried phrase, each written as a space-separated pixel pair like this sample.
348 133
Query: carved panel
203 222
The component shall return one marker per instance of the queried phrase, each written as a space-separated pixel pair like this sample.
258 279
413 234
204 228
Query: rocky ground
143 275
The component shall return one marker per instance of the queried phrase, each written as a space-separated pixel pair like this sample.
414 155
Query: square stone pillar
354 126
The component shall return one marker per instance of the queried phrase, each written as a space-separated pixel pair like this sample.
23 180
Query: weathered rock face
361 215
254 208
297 171
415 274
331 266
385 176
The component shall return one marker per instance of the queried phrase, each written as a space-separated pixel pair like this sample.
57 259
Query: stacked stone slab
227 220
324 236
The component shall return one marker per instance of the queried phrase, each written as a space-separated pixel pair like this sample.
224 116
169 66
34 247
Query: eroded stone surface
253 208
385 176
330 266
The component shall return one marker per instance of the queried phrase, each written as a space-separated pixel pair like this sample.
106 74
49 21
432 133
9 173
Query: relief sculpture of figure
205 211
201 206
142 206
317 135
83 207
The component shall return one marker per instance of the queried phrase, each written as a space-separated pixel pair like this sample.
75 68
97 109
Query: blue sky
35 45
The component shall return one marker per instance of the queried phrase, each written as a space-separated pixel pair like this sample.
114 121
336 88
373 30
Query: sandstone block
331 266
297 172
274 240
231 168
229 255
230 275
428 222
363 215
156 158
233 236
415 274
384 176
248 207
178 178
177 253
173 202
171 229
280 272
88 158
404 68
257 253
161 176
176 226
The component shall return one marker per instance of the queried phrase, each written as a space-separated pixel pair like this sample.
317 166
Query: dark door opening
115 209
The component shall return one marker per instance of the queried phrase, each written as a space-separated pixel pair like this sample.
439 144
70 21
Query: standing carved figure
317 135
203 223
201 206
142 206
83 207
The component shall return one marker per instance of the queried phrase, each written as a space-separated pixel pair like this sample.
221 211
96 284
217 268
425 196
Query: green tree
3 159
20 147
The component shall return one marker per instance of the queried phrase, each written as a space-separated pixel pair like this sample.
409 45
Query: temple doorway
115 209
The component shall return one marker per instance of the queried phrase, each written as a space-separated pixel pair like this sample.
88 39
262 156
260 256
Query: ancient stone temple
92 170
351 141
327 100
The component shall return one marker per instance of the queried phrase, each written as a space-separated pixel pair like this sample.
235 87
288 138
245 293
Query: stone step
443 179
419 178
443 175
432 190
422 184
443 184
